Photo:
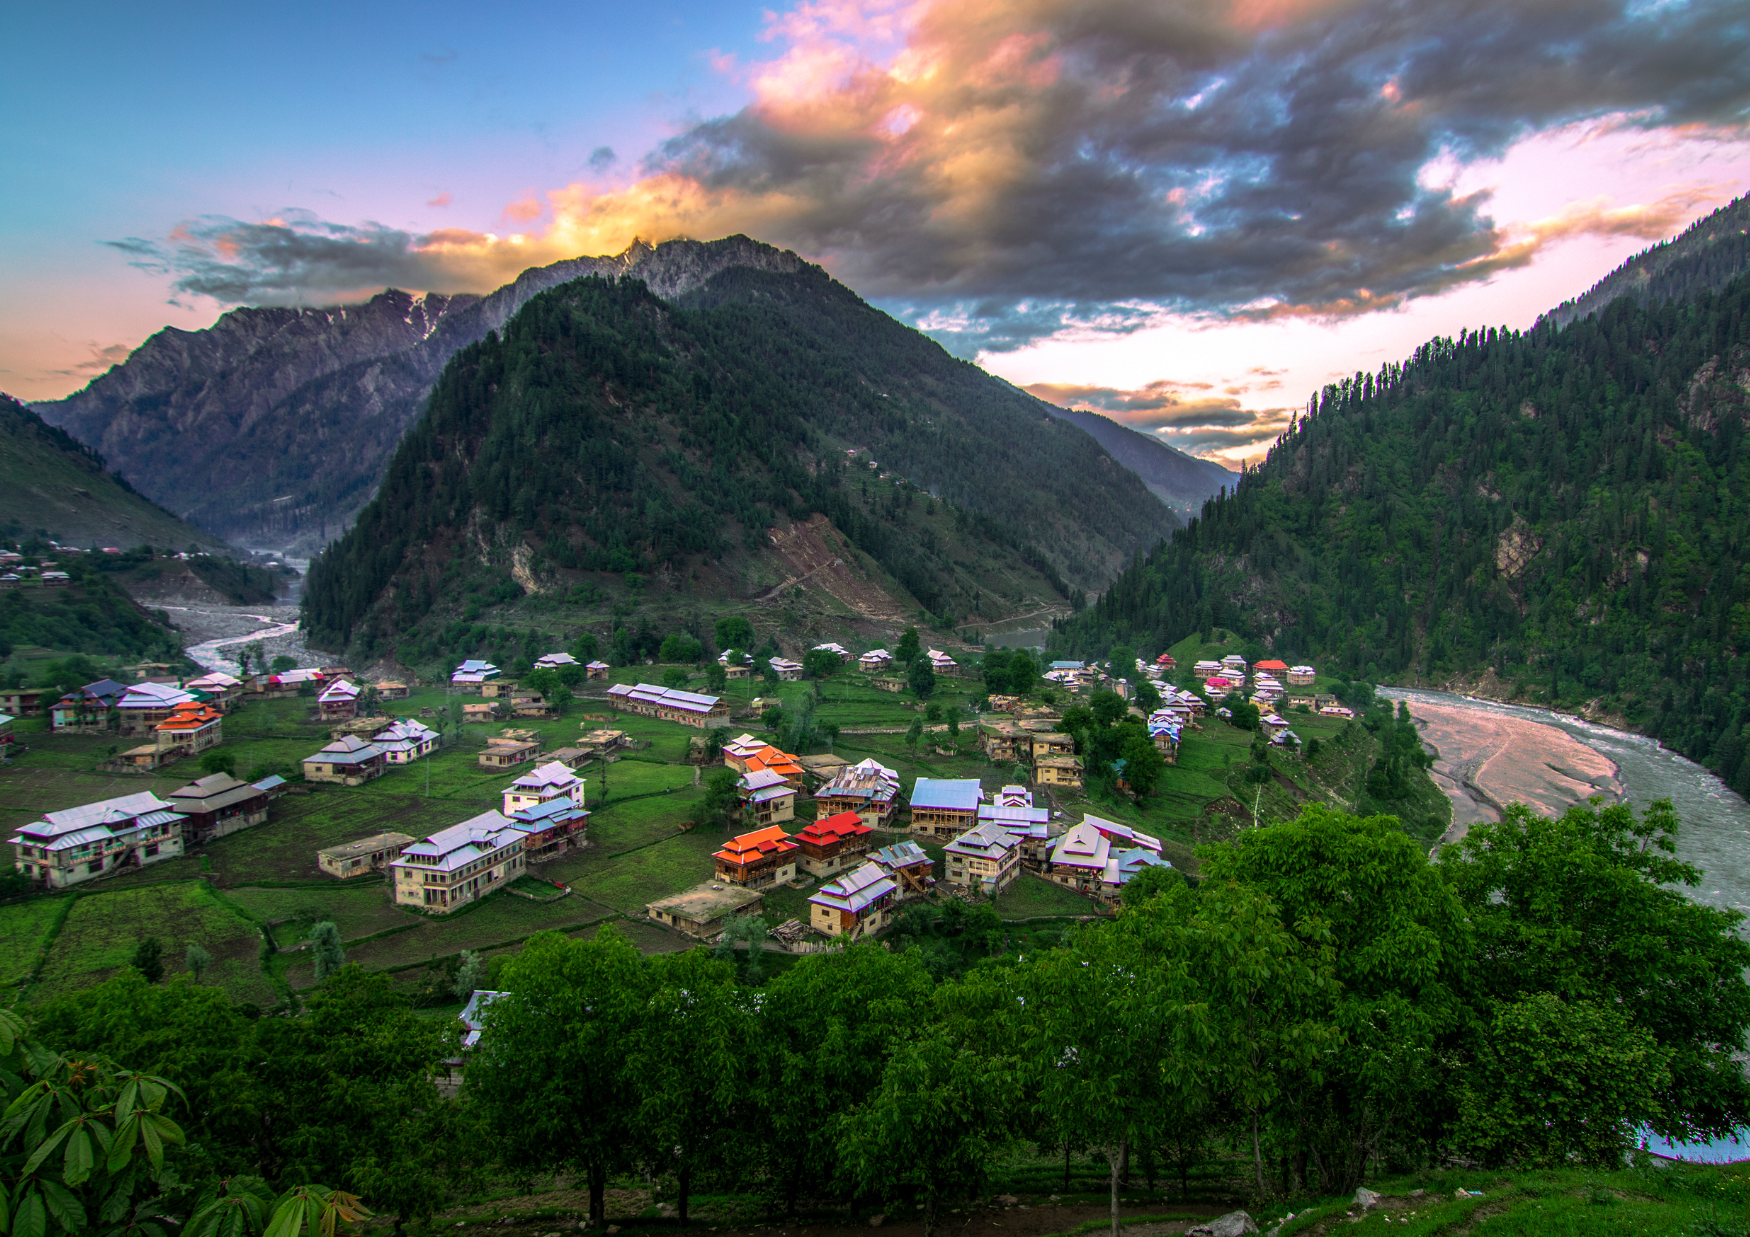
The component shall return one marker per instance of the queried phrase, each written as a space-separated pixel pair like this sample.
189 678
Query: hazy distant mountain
1707 256
51 484
1181 481
272 427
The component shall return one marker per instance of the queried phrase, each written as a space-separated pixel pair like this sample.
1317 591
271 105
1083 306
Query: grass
24 929
1032 895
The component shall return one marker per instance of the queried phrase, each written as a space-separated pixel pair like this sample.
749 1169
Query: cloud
100 360
442 199
1001 170
1180 413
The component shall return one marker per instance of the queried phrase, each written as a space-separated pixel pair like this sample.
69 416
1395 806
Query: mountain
1707 255
1181 481
53 486
271 427
610 433
1560 516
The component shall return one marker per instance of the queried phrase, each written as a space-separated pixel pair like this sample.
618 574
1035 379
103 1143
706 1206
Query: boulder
1233 1224
1366 1199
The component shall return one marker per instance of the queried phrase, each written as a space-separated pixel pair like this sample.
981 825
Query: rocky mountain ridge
272 427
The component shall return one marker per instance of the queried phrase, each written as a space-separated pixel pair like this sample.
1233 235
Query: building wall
64 875
411 888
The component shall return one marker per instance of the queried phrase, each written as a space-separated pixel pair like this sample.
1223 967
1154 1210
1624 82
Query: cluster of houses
988 841
1033 741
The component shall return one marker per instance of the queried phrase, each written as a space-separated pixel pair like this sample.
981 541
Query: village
426 801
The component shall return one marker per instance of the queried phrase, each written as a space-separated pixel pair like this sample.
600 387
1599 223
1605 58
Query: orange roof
1271 665
835 829
750 846
769 757
189 717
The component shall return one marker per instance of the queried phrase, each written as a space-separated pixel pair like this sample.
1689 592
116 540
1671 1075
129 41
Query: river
1494 753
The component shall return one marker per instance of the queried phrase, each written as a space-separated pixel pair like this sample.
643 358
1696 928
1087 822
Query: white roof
1301 670
90 822
665 697
1082 847
350 750
404 730
760 779
856 889
341 690
552 661
154 696
459 845
217 679
872 654
832 648
471 1015
1123 833
784 663
987 841
543 777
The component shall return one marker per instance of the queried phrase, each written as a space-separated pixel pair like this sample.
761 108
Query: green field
641 844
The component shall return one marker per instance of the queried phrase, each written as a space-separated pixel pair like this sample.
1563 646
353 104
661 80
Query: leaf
121 1148
79 1161
31 1219
154 1144
167 1129
46 1147
63 1206
125 1106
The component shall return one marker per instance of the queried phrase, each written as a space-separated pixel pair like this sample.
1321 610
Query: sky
1188 214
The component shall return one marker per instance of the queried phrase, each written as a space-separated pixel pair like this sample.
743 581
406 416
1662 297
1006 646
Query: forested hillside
1181 481
1558 516
607 430
1709 254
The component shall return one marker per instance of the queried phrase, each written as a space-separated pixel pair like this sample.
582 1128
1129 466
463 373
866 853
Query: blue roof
1065 665
952 794
269 783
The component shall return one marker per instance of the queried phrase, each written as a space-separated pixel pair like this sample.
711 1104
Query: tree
577 1007
282 663
680 647
1121 661
1148 697
995 668
585 648
716 677
469 975
1108 708
1557 1081
148 959
1023 673
733 632
821 663
688 1059
908 648
953 716
772 717
1143 764
1587 906
196 961
722 801
326 955
674 676
219 760
921 678
934 1125
914 733
1149 882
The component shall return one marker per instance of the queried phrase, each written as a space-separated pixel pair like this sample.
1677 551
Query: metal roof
474 838
947 794
856 890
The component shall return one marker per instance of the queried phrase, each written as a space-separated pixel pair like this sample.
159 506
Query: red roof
1271 665
834 829
751 846
1165 659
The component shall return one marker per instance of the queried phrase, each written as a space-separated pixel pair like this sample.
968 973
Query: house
757 860
570 757
787 671
338 701
702 910
190 728
1234 667
823 767
1203 671
868 789
1272 724
1058 771
669 704
21 702
497 689
458 865
984 860
911 868
6 735
597 670
1012 809
405 740
837 650
1078 860
1006 704
1301 676
1123 835
1121 866
854 905
1166 662
887 683
737 750
1066 667
542 784
833 844
502 753
766 797
1164 729
349 761
221 690
750 755
944 807
1271 667
531 704
90 710
217 806
874 661
1004 743
75 844
392 689
362 857
144 705
554 661
943 664
471 674
551 828
480 712
1052 744
1335 710
288 683
1299 698
741 671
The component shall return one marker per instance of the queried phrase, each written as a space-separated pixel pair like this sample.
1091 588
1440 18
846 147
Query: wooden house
459 865
833 844
985 860
338 701
757 860
217 806
349 761
76 844
911 868
944 807
191 728
855 905
869 789
766 798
